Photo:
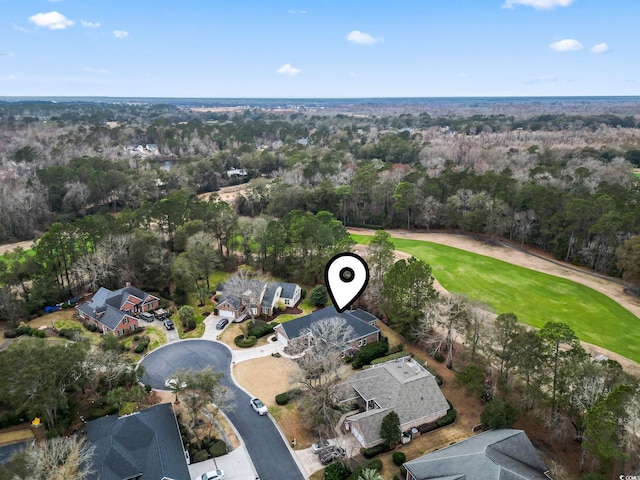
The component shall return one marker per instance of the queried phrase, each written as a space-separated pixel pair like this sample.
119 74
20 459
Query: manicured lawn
305 306
534 297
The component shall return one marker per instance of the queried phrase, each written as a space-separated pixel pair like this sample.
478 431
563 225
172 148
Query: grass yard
534 297
305 306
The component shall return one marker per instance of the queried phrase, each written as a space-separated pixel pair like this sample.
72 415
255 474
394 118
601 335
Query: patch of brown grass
15 436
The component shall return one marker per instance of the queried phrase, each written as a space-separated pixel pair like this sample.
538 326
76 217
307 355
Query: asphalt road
268 451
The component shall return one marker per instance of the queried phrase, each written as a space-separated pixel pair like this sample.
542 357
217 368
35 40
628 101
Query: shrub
11 419
242 342
23 330
303 293
68 333
375 464
200 456
449 418
142 346
373 451
218 448
399 458
10 334
282 398
259 329
369 353
497 414
92 327
147 388
136 338
438 357
101 412
37 333
191 323
337 471
319 296
393 356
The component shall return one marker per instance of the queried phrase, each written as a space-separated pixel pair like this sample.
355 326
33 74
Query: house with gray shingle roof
115 311
363 325
402 386
270 294
143 445
493 455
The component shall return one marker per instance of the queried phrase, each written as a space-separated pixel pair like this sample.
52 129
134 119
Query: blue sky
319 48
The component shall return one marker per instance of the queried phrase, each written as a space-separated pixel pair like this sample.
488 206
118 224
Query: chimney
127 284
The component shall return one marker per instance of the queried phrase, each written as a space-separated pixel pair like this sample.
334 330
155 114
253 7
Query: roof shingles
146 443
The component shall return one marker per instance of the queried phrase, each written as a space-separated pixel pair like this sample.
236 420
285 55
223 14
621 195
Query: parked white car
322 445
259 407
212 475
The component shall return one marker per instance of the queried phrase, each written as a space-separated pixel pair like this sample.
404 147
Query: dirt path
533 261
8 247
228 194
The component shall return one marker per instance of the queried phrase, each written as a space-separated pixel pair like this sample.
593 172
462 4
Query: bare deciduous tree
324 343
61 458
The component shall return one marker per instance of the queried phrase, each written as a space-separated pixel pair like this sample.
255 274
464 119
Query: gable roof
110 316
298 327
146 443
494 455
288 289
117 298
270 294
402 386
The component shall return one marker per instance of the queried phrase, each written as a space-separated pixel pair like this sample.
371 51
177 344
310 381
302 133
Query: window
360 342
364 341
126 320
120 332
133 327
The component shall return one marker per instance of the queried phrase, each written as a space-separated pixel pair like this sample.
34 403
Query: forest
115 192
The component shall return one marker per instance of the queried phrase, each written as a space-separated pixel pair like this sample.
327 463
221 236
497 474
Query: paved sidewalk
236 465
211 333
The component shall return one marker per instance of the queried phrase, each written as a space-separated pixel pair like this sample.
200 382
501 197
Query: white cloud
101 71
566 45
600 48
20 29
298 12
90 24
120 34
52 20
362 38
538 4
542 79
288 69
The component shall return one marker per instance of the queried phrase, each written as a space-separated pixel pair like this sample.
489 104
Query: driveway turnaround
268 451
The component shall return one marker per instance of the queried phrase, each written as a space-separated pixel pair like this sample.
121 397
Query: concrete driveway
269 452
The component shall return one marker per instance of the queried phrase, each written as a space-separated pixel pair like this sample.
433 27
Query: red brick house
115 311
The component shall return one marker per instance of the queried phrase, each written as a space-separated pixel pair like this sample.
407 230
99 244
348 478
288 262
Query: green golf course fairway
534 297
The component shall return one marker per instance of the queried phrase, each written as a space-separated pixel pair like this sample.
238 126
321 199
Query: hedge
369 353
449 418
393 356
260 328
10 334
373 451
285 397
242 342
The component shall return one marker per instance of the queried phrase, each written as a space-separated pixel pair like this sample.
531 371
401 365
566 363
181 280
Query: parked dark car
168 324
222 323
328 455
